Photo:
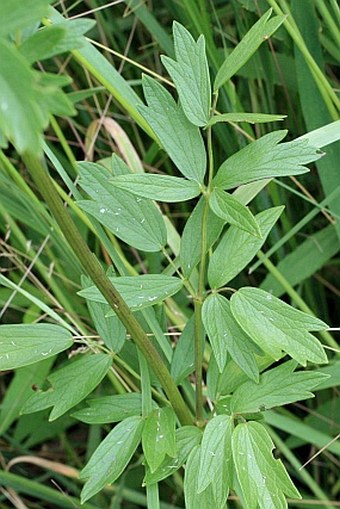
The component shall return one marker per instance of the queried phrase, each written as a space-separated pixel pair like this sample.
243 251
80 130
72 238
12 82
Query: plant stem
199 329
94 269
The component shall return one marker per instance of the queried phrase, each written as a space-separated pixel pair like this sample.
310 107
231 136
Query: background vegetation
293 74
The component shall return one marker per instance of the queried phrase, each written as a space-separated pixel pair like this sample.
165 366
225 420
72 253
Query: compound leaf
276 326
278 386
70 385
266 158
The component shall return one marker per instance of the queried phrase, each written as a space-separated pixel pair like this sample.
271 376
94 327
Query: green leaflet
110 408
158 187
266 158
215 466
191 241
136 221
21 345
21 118
237 248
55 39
263 480
187 437
193 499
258 33
17 15
225 335
229 209
158 438
70 385
183 360
112 455
190 74
277 387
181 140
138 291
251 118
276 326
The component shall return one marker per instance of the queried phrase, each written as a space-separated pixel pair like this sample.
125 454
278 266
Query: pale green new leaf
266 158
110 408
18 15
277 387
225 335
158 187
187 437
190 74
229 209
111 456
258 33
158 438
263 480
193 499
191 241
275 326
181 140
21 345
134 220
138 291
237 248
55 39
215 463
70 385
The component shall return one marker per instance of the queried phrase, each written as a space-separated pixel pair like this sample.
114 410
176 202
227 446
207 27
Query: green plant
224 447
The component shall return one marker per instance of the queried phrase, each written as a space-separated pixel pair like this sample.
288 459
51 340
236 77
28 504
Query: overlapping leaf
263 480
21 345
187 437
190 74
266 158
110 408
277 387
158 437
112 455
138 291
134 220
226 335
191 241
275 326
158 187
237 248
181 140
70 385
229 209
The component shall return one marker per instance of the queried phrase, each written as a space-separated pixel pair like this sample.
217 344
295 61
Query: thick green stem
94 269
